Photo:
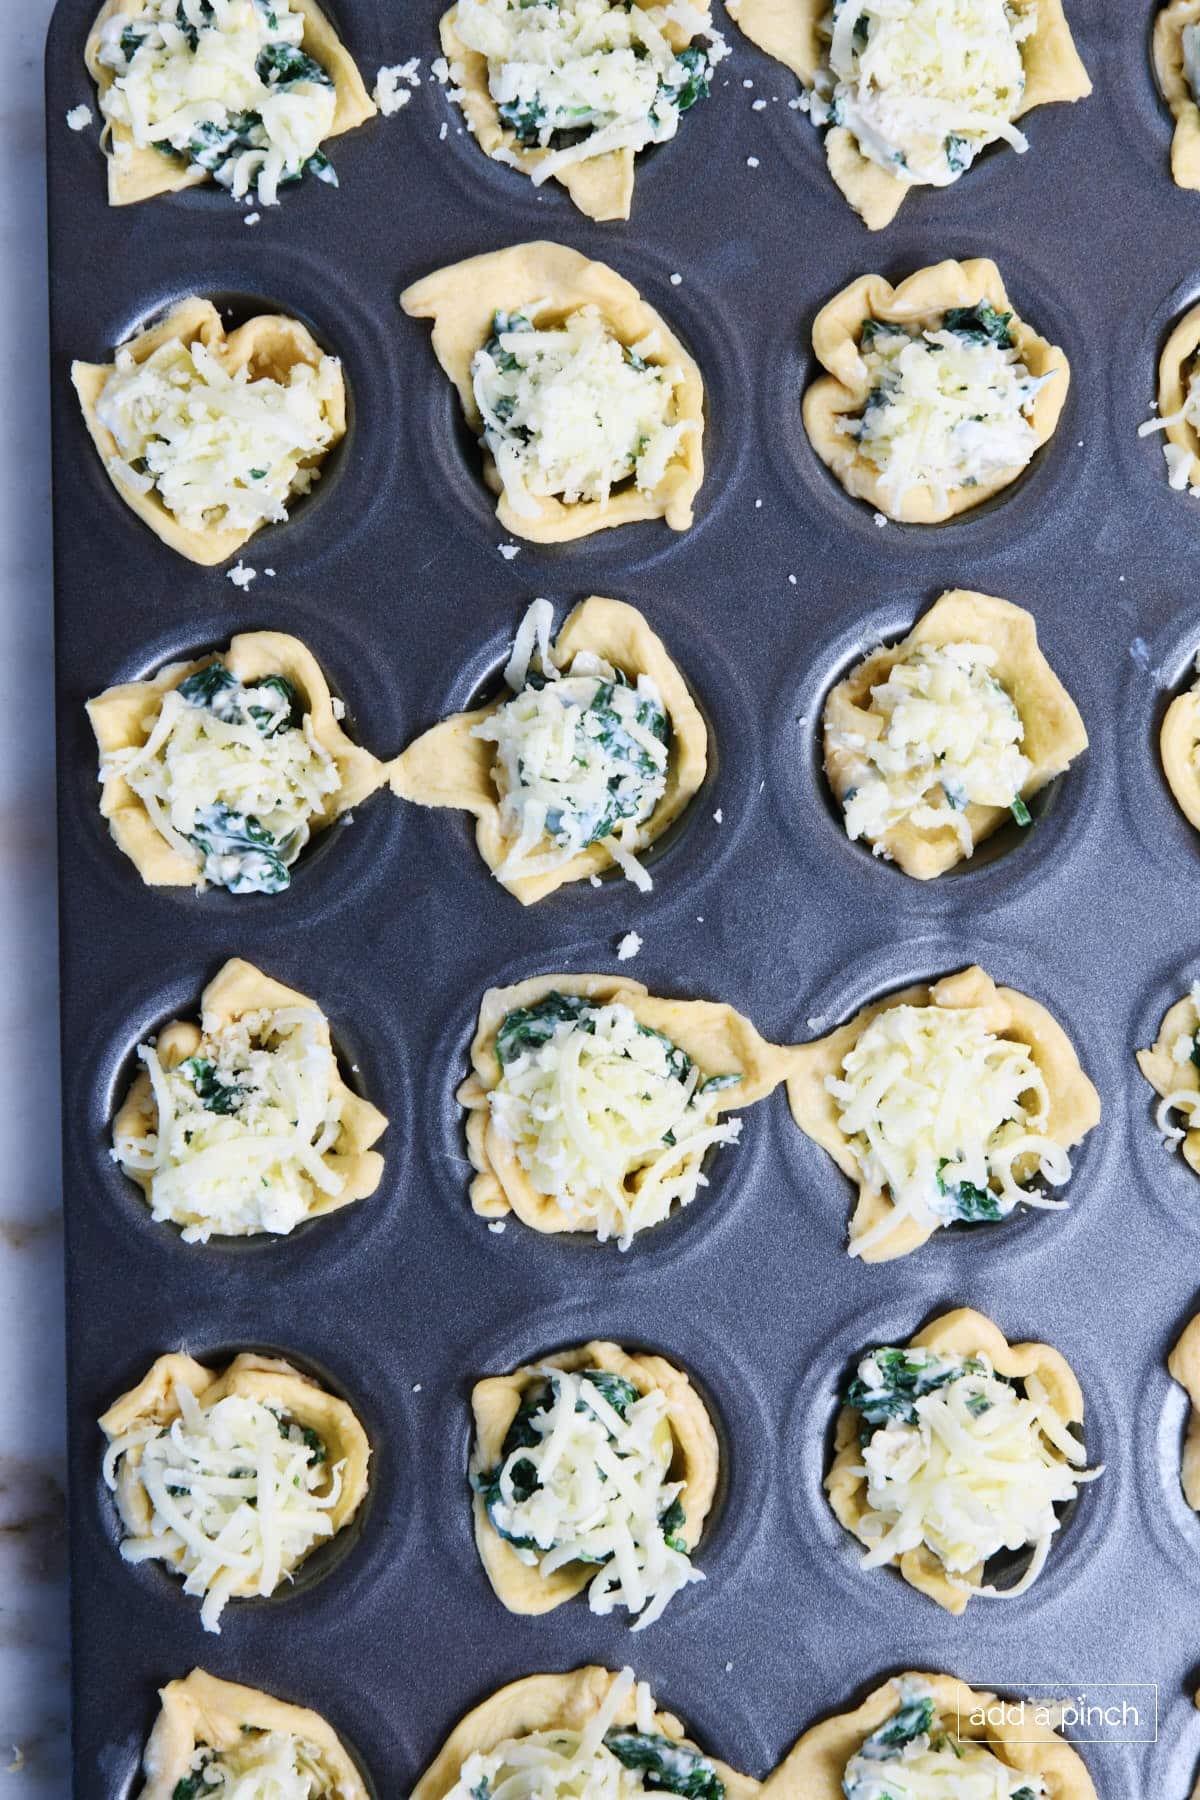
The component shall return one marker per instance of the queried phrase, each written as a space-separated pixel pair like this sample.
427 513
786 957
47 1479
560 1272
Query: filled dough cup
875 1094
539 765
273 731
1171 66
1178 413
933 743
184 409
589 411
936 394
209 1728
1184 1366
1171 1067
557 1060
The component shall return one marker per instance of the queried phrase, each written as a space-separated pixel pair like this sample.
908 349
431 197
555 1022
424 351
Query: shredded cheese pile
979 1467
221 449
603 73
581 758
945 410
609 1120
238 1130
594 1487
913 1757
570 411
924 85
229 781
224 85
265 1765
238 1496
940 1112
1185 1101
948 739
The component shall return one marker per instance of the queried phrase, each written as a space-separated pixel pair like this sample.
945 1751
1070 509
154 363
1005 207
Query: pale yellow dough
814 1768
1054 731
1184 1367
960 1333
788 31
447 766
565 1702
461 299
124 717
718 1040
1175 367
1178 744
1176 89
1166 1076
600 186
241 988
1074 1102
136 174
921 299
495 1402
200 1711
270 1379
268 346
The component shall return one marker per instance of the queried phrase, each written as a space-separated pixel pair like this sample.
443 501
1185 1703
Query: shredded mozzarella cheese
265 1765
220 449
902 1762
237 1131
239 1496
948 739
570 411
1182 1101
223 84
1176 456
943 1115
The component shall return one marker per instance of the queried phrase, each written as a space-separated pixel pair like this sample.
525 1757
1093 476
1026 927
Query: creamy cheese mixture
583 78
912 1756
602 1762
946 1118
923 85
265 1765
239 1493
1184 1101
607 1117
946 408
239 1129
224 86
959 1459
232 777
570 411
220 449
585 1477
949 738
581 757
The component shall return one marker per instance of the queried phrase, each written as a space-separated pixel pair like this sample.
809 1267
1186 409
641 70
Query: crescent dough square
600 186
921 299
495 1402
813 1769
1166 1076
1177 90
124 717
788 31
447 766
201 1710
461 300
717 1039
1074 1102
241 988
154 1401
269 345
960 1333
1174 366
1054 731
137 174
565 1702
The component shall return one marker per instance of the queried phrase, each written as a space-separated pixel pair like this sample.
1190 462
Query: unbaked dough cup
1162 1174
1160 666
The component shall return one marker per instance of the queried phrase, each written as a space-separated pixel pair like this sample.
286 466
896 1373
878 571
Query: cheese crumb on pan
79 117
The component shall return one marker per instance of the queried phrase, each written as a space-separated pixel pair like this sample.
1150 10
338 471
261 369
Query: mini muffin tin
391 574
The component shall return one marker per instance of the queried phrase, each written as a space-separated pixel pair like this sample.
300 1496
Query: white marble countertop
33 1606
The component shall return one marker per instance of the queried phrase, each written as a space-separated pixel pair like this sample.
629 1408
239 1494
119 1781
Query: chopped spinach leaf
906 1376
1020 811
279 64
259 865
217 1096
914 1719
973 1205
527 1027
268 719
666 1766
958 153
979 324
202 688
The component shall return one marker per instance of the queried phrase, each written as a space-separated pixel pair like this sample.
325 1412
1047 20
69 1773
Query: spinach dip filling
1183 1102
224 87
947 407
913 1756
581 756
265 1765
577 79
961 1461
232 776
584 1477
605 1116
570 412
